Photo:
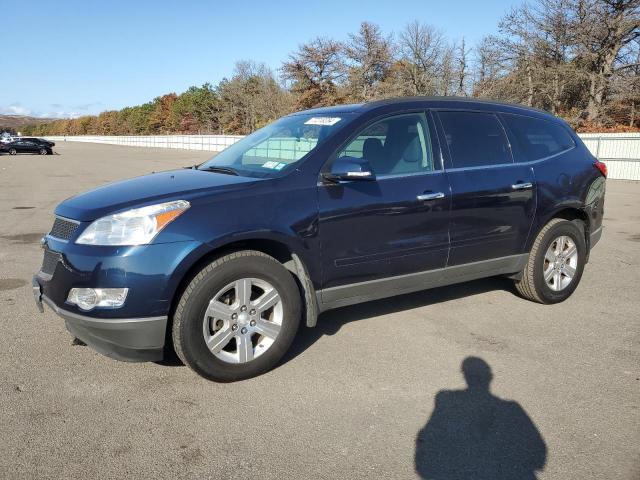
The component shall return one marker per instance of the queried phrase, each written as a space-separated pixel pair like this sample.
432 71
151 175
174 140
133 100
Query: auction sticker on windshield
325 121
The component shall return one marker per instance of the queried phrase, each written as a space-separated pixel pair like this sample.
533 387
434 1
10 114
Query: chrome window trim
403 175
548 156
496 165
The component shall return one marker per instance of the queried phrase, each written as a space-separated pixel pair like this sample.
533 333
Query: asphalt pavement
375 391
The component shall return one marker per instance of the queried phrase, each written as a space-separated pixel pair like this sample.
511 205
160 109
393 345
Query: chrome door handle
522 186
430 196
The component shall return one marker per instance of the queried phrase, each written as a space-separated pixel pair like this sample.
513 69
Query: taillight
602 167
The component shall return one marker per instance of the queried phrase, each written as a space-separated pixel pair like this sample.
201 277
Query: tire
43 151
533 285
192 320
12 151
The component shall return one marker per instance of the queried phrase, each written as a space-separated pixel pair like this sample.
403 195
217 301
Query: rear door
395 225
493 198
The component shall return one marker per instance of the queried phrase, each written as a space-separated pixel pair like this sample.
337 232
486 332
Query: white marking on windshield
324 121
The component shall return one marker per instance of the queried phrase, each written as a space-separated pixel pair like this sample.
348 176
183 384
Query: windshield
278 146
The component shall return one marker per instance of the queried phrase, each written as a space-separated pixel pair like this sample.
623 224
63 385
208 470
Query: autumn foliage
579 59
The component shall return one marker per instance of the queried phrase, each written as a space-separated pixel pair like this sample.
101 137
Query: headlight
133 227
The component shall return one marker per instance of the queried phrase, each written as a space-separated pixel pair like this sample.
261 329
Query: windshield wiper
225 170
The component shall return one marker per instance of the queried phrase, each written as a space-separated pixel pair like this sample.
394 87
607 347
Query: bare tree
518 46
462 71
316 71
488 68
370 57
606 34
422 49
447 75
624 93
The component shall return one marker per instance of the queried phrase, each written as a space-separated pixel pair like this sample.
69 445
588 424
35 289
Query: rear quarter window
538 138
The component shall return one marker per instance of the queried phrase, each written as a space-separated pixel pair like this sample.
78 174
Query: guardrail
620 151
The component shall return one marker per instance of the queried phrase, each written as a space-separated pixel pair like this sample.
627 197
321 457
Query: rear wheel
237 317
556 263
12 151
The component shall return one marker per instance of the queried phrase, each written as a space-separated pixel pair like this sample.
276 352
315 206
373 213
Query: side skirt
351 294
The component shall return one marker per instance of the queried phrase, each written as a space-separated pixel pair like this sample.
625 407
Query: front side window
475 139
278 146
397 145
538 138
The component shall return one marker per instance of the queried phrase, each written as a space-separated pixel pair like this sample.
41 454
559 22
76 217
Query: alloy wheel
243 320
560 263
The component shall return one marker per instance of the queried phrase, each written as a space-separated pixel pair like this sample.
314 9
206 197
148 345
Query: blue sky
73 58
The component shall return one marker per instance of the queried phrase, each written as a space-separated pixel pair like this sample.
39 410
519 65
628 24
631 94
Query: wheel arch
570 212
282 251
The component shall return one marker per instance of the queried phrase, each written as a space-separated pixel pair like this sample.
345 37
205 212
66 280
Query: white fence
209 143
620 151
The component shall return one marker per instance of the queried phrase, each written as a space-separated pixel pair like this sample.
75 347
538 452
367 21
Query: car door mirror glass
346 169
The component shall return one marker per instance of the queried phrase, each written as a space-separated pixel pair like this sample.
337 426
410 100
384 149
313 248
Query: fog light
89 298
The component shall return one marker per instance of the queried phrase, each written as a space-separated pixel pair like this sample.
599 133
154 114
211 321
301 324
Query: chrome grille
63 228
49 262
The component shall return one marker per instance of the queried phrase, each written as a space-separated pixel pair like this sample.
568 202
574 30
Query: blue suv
321 209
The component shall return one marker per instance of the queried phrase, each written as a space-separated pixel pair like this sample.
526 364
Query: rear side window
475 139
539 138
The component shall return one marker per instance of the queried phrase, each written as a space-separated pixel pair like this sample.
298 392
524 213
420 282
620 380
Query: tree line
579 59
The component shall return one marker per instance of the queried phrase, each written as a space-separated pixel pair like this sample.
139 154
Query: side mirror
348 169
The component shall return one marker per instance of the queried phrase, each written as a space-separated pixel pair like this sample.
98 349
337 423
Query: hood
183 184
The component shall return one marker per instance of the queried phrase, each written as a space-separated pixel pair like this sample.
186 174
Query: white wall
620 151
210 143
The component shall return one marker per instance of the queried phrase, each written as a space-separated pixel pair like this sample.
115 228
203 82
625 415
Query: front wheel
237 317
43 151
12 151
556 263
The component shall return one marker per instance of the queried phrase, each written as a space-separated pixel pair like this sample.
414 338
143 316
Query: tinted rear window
539 138
475 139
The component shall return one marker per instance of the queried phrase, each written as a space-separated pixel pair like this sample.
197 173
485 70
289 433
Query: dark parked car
41 141
23 145
321 209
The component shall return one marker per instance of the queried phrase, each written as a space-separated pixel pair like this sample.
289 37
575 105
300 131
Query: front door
493 199
25 146
395 225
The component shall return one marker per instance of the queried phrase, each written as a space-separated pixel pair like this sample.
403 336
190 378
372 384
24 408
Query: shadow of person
473 434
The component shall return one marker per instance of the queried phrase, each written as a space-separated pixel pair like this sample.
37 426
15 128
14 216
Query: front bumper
127 339
134 332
